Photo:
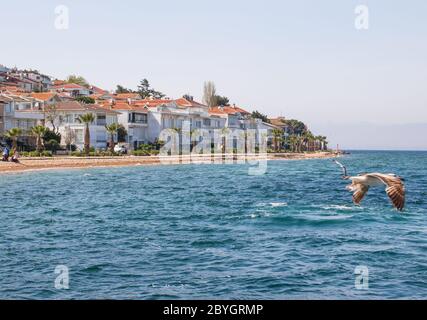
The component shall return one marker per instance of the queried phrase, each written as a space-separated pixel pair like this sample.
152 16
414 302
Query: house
235 117
127 96
97 90
279 122
43 99
134 119
66 121
44 82
18 81
174 114
19 112
72 89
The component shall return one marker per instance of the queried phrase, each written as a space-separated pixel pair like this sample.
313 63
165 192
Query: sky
303 59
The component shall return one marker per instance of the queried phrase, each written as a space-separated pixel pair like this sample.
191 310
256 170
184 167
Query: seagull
360 185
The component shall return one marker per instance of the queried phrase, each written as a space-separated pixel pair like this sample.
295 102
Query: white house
66 121
172 114
74 90
133 118
19 112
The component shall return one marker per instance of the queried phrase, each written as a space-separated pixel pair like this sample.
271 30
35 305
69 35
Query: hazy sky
300 59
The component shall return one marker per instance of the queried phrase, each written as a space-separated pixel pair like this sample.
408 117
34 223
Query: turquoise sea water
213 231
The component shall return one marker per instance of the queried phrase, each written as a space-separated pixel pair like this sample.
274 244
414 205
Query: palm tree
112 130
87 119
293 143
325 143
277 134
14 134
38 131
308 139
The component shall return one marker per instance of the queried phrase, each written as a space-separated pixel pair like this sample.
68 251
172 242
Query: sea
214 231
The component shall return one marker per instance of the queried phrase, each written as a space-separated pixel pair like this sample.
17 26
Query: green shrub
140 153
46 153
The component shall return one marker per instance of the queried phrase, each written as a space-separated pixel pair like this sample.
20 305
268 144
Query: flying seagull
360 185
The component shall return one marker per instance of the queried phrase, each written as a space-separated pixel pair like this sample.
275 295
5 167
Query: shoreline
68 163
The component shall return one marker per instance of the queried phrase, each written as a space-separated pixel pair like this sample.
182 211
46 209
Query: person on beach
5 154
15 156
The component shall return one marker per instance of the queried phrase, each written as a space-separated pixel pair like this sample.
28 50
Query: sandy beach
65 162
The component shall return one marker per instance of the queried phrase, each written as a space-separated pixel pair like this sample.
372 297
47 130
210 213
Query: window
140 118
79 136
207 122
101 120
198 124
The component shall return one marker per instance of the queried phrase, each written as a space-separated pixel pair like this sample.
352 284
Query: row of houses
143 119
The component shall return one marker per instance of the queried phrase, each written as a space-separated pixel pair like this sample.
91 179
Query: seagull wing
359 192
343 167
395 189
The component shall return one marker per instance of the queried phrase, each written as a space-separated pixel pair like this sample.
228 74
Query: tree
221 101
188 97
87 119
51 115
295 126
325 143
121 89
14 134
77 80
86 100
145 91
259 115
293 143
112 130
70 137
52 145
308 139
209 94
50 134
277 135
38 131
121 133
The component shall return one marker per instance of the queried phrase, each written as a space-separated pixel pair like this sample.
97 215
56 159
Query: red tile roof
44 96
124 96
182 102
97 90
76 106
229 110
69 86
123 106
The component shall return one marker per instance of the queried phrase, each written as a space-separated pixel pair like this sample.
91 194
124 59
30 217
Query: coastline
67 163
